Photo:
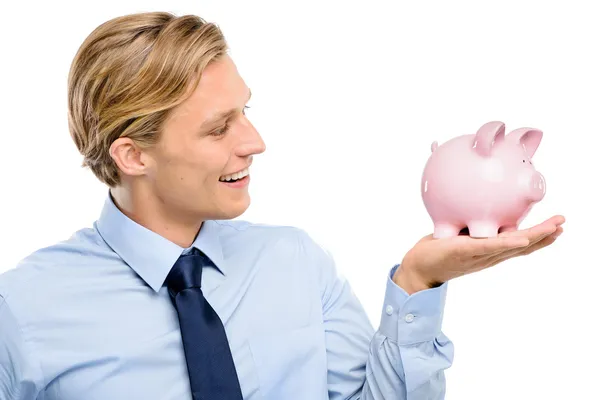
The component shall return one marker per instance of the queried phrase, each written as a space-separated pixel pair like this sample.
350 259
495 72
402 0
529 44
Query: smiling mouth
235 176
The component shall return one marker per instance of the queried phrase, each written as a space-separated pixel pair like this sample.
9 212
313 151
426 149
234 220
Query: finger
514 252
558 232
548 240
554 221
534 235
540 245
478 247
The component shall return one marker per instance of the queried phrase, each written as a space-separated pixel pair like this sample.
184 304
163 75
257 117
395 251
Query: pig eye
523 161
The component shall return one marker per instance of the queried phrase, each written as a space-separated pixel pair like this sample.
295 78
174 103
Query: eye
221 131
244 110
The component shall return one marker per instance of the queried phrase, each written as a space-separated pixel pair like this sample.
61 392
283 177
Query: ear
127 156
487 137
434 146
529 138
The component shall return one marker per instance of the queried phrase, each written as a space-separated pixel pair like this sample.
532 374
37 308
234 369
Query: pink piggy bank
485 182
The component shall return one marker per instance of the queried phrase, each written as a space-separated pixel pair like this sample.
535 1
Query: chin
233 209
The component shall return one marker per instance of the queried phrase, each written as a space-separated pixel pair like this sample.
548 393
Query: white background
348 97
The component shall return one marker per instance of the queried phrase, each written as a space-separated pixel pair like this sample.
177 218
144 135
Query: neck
146 210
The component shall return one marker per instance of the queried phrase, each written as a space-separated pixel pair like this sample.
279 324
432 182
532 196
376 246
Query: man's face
206 138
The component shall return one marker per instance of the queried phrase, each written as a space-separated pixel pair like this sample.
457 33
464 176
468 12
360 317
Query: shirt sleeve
404 359
19 379
409 353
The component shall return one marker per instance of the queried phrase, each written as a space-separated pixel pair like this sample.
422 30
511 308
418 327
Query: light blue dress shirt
89 319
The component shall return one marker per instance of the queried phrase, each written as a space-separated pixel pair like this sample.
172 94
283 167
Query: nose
537 186
251 143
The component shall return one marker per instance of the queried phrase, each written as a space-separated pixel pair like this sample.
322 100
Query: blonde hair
126 77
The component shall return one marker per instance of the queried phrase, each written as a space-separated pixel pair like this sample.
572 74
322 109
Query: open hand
432 262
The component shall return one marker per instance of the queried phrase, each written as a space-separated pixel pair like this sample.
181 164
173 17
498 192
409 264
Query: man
166 297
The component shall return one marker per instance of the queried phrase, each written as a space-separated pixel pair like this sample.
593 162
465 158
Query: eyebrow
222 115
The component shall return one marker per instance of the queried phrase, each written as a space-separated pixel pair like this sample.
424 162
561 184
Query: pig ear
529 138
487 136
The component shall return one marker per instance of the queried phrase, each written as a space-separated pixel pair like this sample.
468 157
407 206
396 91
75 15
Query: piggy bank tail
434 146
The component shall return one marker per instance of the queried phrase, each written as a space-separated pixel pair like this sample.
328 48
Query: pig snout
537 187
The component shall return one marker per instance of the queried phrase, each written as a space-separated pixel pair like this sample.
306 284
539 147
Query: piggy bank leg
443 230
508 228
483 229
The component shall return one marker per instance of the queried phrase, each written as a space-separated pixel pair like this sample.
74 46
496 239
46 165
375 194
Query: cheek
170 172
199 172
212 162
193 165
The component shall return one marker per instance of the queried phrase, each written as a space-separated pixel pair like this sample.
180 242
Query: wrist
410 281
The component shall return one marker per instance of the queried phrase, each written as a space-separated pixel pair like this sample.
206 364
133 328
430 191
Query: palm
434 261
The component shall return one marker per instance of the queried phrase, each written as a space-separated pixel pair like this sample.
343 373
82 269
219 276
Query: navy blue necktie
208 356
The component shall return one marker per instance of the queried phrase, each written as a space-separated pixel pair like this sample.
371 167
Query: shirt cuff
412 319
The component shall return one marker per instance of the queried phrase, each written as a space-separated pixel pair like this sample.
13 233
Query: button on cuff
412 319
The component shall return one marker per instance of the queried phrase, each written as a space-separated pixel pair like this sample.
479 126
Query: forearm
407 372
403 360
409 353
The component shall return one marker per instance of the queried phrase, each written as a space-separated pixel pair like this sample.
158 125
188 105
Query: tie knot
187 272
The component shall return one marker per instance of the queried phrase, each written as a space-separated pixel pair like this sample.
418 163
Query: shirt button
409 318
389 310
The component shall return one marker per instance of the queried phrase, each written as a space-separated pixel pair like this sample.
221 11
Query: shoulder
292 242
254 231
35 274
283 235
289 250
240 225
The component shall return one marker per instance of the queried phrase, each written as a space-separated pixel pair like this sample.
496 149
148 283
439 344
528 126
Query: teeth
237 175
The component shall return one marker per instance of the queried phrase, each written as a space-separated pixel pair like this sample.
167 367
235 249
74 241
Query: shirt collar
149 254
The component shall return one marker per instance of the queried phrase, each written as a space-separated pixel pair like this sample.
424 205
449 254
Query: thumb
426 238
